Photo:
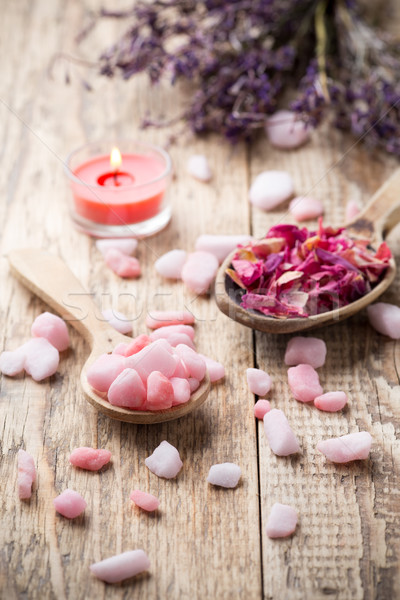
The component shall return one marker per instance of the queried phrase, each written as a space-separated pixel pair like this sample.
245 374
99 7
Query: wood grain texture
204 542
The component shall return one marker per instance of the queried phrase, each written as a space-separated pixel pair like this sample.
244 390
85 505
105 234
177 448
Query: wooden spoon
50 279
374 223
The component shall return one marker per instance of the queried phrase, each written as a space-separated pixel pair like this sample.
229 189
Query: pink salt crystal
305 350
118 320
121 566
181 389
166 332
261 408
53 328
41 358
198 167
181 370
280 435
104 370
170 265
121 264
163 318
194 384
353 446
26 474
259 381
304 383
385 318
303 208
91 459
193 361
215 370
270 188
224 475
144 500
120 349
127 390
180 338
137 344
12 362
153 357
125 245
286 131
160 392
331 401
351 211
69 504
165 461
221 245
282 521
199 271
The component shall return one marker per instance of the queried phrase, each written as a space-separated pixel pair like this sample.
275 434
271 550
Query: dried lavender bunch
244 58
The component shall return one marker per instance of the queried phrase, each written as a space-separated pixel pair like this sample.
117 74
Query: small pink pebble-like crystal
194 363
303 208
165 461
180 338
385 318
282 521
331 401
353 446
221 245
352 210
304 383
26 474
121 566
215 370
279 434
163 318
285 130
160 392
69 504
157 356
144 500
104 370
170 265
194 384
91 459
199 168
127 390
125 245
181 389
118 320
225 475
121 264
137 344
41 358
53 328
305 350
166 332
261 408
199 271
12 362
259 381
270 188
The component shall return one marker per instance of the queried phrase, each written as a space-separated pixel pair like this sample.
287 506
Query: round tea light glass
119 198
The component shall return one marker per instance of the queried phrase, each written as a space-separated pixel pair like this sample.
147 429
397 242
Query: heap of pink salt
304 383
121 566
144 500
69 504
26 474
91 459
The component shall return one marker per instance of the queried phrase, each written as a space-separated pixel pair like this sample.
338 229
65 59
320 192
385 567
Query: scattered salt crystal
163 318
121 566
225 475
126 245
331 401
303 208
181 390
198 167
261 408
305 350
282 521
160 392
26 474
127 390
170 265
192 361
215 370
41 358
104 370
121 264
270 188
353 446
165 461
69 504
286 131
199 271
144 500
259 381
304 383
221 245
352 210
53 328
118 320
12 362
280 435
166 332
91 459
385 318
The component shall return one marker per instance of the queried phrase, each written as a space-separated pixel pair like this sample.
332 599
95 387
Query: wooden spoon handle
50 279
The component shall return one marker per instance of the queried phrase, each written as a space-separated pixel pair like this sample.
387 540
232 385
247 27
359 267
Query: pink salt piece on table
12 362
224 475
305 350
280 435
118 320
353 446
166 332
125 245
303 208
352 210
90 459
144 500
170 265
259 381
165 461
164 318
331 401
121 264
53 328
261 408
26 474
282 521
385 318
41 358
181 389
121 566
127 390
194 363
285 130
215 369
104 371
199 168
271 188
304 383
160 392
221 245
157 356
69 504
199 271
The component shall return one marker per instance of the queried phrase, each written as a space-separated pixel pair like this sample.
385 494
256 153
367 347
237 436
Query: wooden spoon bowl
374 223
50 279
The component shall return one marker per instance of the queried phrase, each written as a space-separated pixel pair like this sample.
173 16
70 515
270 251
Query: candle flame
115 159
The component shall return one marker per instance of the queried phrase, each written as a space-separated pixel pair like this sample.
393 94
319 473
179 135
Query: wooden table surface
204 542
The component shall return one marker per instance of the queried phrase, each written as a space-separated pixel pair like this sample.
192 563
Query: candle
120 190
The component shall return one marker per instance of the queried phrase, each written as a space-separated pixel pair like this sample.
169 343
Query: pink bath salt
221 245
194 384
180 338
181 389
166 332
305 350
125 245
41 358
69 504
225 475
385 318
170 265
104 371
26 474
53 328
160 392
164 318
193 361
303 208
91 459
199 168
259 381
181 370
285 130
165 461
137 344
120 349
352 210
282 521
279 434
353 446
271 188
127 390
154 357
199 271
304 383
261 408
121 566
121 264
12 362
144 500
215 369
331 401
118 320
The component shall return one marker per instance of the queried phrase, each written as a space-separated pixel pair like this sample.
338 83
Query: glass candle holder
119 189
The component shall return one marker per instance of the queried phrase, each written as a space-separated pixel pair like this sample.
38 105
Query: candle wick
115 176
